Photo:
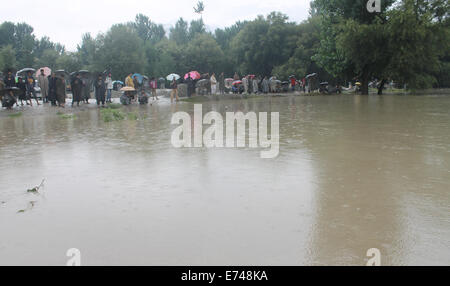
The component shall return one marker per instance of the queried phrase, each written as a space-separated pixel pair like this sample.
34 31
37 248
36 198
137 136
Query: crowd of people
53 89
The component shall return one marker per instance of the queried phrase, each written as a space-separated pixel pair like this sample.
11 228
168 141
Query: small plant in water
114 106
66 116
35 190
133 116
18 114
110 115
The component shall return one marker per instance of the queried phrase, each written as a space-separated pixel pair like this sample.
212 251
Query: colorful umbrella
173 76
237 82
193 74
47 71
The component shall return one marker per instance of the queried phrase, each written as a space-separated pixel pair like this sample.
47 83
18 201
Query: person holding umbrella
52 89
31 83
77 87
174 86
43 84
60 88
100 90
23 91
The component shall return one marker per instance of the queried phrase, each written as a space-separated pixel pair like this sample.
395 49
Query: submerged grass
113 112
110 115
18 114
66 115
114 106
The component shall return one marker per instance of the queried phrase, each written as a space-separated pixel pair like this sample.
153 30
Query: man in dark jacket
77 87
100 90
52 89
61 91
9 81
222 83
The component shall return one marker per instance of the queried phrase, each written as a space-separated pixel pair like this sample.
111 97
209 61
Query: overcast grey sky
65 21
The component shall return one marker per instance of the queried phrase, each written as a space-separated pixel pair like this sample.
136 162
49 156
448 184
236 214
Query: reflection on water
354 173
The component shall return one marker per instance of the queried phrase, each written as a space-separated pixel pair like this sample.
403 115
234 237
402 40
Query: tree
200 8
264 44
197 27
204 54
352 39
180 34
301 63
68 62
7 58
24 42
122 51
147 30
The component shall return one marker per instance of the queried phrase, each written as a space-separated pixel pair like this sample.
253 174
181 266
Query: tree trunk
365 83
381 87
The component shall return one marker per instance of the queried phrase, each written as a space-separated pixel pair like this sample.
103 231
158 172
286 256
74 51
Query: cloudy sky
65 21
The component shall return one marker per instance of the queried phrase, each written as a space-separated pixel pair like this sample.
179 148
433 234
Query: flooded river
354 173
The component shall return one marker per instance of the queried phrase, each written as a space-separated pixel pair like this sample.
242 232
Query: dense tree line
407 42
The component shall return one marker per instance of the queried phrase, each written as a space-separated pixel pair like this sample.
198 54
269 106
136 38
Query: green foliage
122 51
204 53
7 58
110 115
341 41
14 115
180 33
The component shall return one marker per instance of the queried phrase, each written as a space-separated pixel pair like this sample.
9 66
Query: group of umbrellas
48 72
195 75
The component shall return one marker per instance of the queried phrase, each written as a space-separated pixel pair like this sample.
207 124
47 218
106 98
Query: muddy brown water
353 173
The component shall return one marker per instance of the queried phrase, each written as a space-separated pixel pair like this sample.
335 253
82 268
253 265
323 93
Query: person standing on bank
100 90
174 86
265 85
43 84
23 91
213 84
109 88
52 89
31 93
153 86
222 83
9 80
61 91
77 87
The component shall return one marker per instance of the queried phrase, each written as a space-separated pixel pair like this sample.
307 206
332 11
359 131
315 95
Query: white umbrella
173 76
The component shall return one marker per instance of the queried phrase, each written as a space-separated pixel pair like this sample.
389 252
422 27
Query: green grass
65 115
133 116
114 106
14 115
110 115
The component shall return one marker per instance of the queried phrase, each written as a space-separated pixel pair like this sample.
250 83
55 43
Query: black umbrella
62 73
16 91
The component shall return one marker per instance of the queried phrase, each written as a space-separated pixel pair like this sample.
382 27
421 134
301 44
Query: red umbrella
237 82
193 74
